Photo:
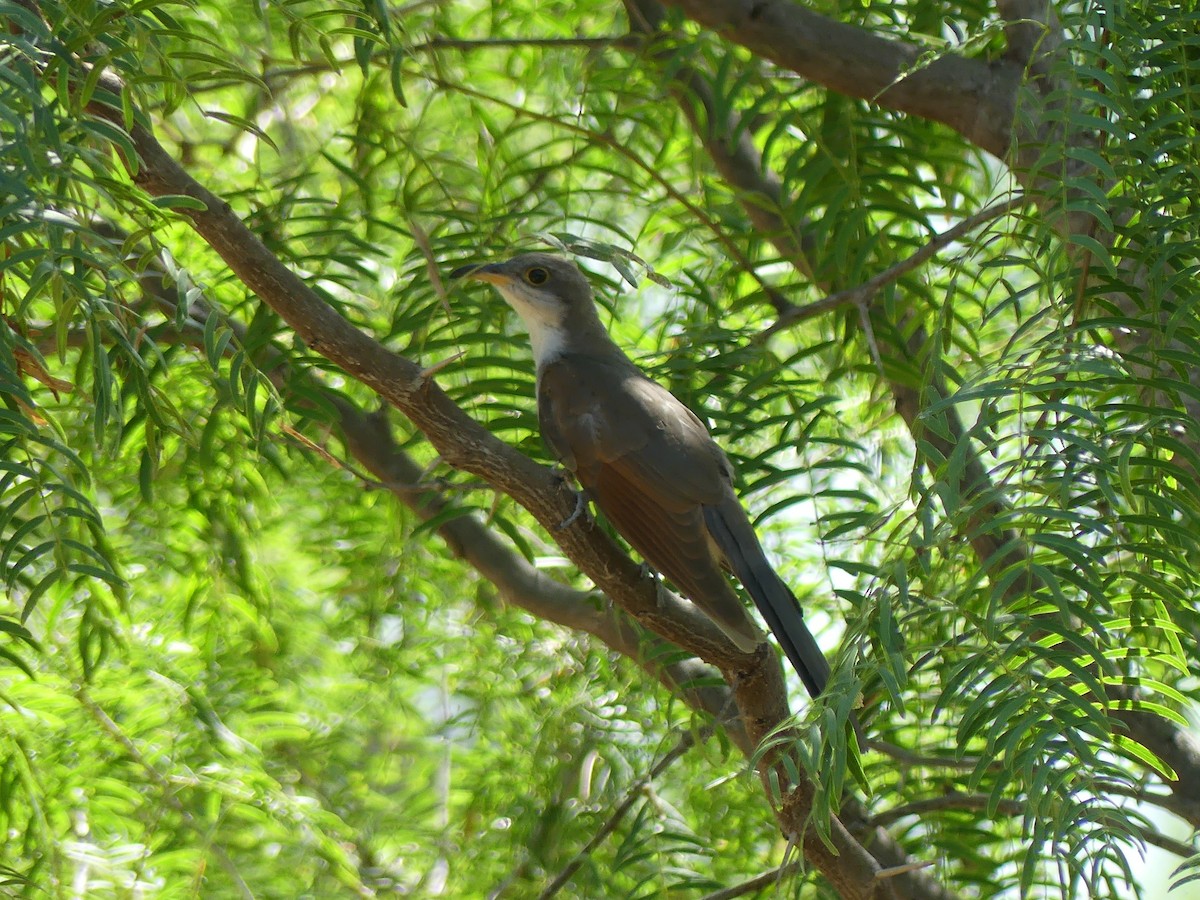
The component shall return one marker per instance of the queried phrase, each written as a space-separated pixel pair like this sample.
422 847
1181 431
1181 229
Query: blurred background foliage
233 667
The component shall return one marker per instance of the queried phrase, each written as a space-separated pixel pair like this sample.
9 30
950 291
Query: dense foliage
235 661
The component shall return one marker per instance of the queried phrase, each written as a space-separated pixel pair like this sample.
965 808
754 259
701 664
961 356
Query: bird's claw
581 502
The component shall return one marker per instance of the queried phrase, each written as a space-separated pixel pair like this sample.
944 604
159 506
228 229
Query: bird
647 461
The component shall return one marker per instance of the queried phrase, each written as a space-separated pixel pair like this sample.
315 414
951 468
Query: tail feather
776 603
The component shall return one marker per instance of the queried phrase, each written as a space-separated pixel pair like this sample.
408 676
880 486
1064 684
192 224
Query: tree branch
623 42
632 795
975 98
822 49
913 759
978 802
462 442
761 196
863 294
951 800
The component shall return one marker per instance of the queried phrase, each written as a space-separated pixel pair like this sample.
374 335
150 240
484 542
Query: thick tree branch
1178 749
975 98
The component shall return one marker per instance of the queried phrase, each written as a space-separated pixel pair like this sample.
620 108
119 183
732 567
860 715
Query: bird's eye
537 275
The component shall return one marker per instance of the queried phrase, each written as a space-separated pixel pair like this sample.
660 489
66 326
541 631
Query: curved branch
369 440
1011 808
951 800
975 98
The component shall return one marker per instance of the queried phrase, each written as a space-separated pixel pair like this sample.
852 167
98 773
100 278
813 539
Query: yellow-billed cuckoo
648 463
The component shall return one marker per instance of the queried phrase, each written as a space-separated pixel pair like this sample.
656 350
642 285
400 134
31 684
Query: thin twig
1166 802
635 792
620 41
897 871
1009 807
168 790
432 369
616 146
909 757
953 800
863 294
1162 842
757 883
274 75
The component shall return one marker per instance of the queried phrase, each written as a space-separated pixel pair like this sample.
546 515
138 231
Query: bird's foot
581 504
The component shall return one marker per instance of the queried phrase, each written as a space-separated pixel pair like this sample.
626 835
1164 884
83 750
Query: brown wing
674 541
650 465
655 472
598 411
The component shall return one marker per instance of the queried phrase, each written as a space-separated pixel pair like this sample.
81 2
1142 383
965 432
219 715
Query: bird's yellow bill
492 277
481 273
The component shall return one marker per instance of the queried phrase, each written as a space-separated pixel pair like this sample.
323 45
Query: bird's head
538 282
549 293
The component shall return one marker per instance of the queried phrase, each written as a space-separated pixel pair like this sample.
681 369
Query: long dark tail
776 603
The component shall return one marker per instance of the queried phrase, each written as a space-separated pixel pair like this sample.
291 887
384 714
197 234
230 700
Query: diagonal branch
1012 808
863 294
974 97
635 792
462 442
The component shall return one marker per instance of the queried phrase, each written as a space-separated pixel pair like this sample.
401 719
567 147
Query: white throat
549 340
544 322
